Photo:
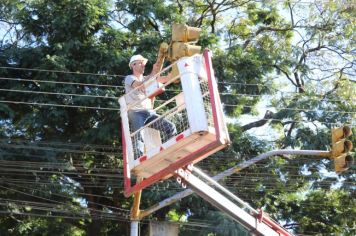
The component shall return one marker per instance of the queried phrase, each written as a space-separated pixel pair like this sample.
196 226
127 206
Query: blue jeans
138 119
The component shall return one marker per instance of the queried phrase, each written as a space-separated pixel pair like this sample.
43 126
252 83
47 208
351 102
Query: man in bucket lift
142 113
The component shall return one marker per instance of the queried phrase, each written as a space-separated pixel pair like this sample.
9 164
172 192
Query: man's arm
155 70
136 84
133 82
164 79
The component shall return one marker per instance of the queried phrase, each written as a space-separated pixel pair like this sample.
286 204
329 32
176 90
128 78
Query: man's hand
164 79
155 69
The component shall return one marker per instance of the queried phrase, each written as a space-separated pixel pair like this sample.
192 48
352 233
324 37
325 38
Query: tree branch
286 74
268 115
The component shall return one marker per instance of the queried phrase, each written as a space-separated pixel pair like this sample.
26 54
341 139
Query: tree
285 67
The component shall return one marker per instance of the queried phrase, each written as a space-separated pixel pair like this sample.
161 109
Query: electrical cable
55 203
117 109
61 105
223 93
59 71
97 96
62 94
60 82
20 146
57 143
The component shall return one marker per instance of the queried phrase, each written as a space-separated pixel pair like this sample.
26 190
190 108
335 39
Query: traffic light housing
340 148
180 50
183 39
184 33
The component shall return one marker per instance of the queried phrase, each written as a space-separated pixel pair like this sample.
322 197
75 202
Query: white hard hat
137 58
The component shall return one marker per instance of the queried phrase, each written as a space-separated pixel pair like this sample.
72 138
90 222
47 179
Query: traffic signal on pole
341 148
183 39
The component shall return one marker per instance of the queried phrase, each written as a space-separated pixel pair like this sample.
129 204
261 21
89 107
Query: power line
55 203
237 187
61 105
115 86
20 146
20 171
83 174
62 94
60 82
322 98
64 216
57 143
295 109
55 165
59 71
69 162
117 109
234 182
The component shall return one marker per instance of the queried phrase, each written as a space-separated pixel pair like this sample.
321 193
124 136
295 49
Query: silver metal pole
134 228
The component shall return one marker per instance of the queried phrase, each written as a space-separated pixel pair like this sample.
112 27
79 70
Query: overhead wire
121 86
56 203
38 167
80 194
91 174
16 171
232 188
61 82
113 86
60 105
87 95
78 167
58 71
221 159
21 146
227 104
252 188
193 222
117 109
50 163
256 184
94 217
43 164
62 94
58 143
54 165
15 176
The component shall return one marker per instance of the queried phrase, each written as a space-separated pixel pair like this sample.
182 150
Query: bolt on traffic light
340 148
183 39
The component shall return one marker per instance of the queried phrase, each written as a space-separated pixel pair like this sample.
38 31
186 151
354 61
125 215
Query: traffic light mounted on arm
183 39
340 148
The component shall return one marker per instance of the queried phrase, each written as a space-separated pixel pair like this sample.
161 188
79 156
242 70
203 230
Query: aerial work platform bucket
189 125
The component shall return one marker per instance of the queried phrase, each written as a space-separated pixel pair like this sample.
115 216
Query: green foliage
62 160
40 226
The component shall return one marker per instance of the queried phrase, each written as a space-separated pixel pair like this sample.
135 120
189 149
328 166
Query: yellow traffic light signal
184 33
180 49
340 148
183 39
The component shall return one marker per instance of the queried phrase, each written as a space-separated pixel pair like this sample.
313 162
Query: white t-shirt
133 96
